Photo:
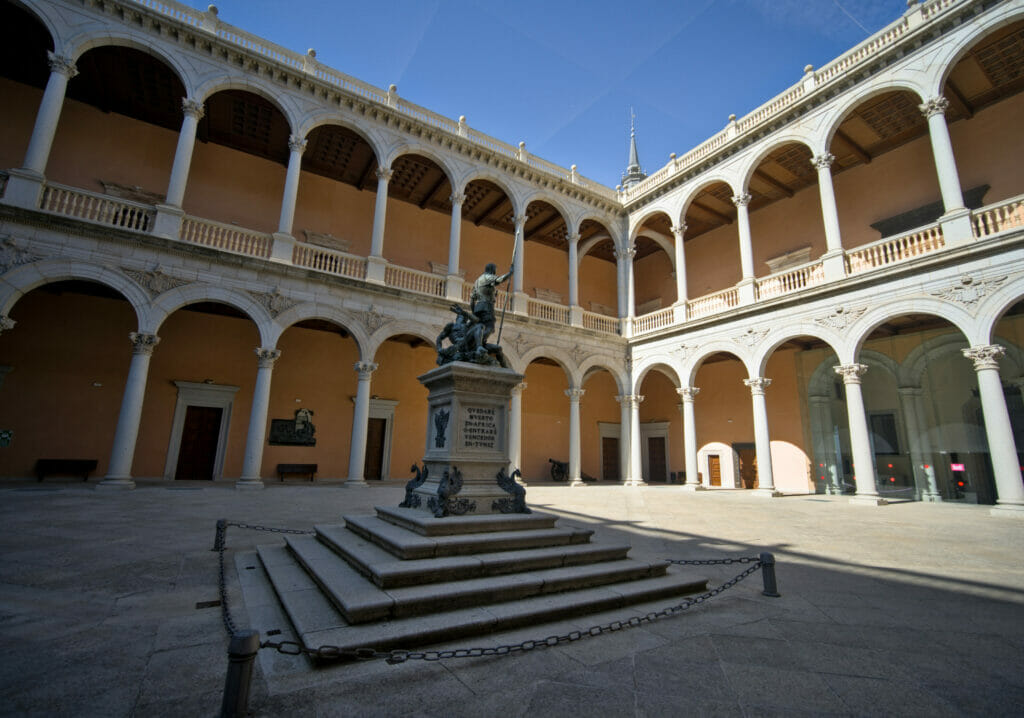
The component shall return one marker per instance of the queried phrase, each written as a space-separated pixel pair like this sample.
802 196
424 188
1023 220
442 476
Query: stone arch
836 114
282 102
20 281
705 182
327 119
767 346
548 352
302 312
693 364
637 221
992 308
754 159
949 54
658 362
862 328
592 364
502 183
90 39
916 362
548 198
402 326
42 16
424 150
171 301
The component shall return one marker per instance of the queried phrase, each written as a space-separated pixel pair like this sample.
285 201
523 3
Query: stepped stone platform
403 579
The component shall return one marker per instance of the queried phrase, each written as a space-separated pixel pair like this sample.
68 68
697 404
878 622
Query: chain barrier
327 652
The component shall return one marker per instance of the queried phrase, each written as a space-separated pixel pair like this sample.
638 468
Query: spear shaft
504 308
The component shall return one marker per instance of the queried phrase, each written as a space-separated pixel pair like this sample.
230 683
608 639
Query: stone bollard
768 574
241 653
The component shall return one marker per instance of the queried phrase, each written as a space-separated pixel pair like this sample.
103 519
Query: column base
693 487
745 290
766 493
680 312
246 484
576 315
932 498
355 483
577 482
375 267
1013 511
834 265
521 303
24 188
453 288
283 248
115 483
869 501
956 227
634 482
168 221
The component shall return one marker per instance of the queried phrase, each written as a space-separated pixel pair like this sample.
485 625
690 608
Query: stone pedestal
467 443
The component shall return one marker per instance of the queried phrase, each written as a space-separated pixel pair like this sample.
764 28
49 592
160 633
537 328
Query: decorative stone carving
578 353
751 337
440 425
384 173
6 323
265 358
297 144
446 502
934 106
679 229
851 373
634 400
365 369
62 64
274 302
12 255
412 499
373 319
625 253
841 317
193 108
823 161
758 384
457 198
155 281
968 291
683 351
742 200
515 503
688 393
520 343
575 394
143 343
984 356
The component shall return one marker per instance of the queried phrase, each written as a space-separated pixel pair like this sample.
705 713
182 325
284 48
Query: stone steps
386 571
402 578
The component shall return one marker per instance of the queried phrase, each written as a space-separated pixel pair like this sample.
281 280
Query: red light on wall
927 466
959 483
821 465
822 478
892 479
889 466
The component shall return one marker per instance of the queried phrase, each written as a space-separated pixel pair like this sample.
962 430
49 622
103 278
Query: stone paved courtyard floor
907 609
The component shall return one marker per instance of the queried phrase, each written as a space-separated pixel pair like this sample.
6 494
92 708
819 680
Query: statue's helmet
491 268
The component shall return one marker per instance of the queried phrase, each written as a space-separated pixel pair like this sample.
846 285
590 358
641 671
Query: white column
253 461
62 69
762 439
574 270
119 471
678 232
824 448
860 446
515 428
631 283
519 250
689 394
455 233
360 421
624 437
917 440
194 111
636 474
624 262
296 146
942 149
380 210
574 436
998 431
743 222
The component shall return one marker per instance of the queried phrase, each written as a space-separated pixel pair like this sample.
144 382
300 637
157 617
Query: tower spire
633 173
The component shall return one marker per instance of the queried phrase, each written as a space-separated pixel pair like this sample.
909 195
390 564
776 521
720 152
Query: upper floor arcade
164 120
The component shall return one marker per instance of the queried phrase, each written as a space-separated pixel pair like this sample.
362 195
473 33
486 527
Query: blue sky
561 75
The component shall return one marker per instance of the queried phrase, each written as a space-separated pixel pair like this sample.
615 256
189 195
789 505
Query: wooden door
656 468
715 470
610 458
374 448
199 436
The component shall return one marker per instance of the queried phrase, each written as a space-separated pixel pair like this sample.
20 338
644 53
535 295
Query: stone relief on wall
155 281
841 317
12 255
969 291
274 302
373 319
751 337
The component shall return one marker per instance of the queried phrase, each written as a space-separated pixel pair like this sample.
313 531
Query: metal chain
294 648
271 529
714 561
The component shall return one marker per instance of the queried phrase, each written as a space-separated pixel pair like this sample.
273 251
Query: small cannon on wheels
559 470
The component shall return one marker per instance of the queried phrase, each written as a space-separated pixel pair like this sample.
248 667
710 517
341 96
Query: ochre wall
545 420
597 405
20 103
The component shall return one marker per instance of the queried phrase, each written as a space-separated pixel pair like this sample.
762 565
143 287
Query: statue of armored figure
469 333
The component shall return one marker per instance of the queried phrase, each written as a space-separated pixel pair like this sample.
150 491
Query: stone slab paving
906 609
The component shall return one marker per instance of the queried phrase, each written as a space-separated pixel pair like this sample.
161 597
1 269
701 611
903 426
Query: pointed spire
634 173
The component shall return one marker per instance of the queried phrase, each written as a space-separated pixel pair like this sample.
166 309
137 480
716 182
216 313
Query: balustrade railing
995 218
549 311
81 204
600 322
895 249
792 280
227 237
330 261
654 320
414 280
714 303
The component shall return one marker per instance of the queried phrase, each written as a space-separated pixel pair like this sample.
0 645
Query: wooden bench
65 467
296 469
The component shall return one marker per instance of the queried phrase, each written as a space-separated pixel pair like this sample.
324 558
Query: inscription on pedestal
480 428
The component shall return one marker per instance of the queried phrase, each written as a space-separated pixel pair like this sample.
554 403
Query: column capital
62 64
6 323
575 394
297 144
679 230
520 222
266 357
984 356
384 173
758 384
143 343
851 373
365 369
823 161
626 252
572 237
689 393
633 400
742 200
457 198
193 108
934 106
519 388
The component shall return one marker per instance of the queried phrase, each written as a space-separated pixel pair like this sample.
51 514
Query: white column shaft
762 442
860 446
829 212
690 442
574 435
622 293
360 422
515 430
681 295
182 160
519 250
291 191
253 461
455 238
574 272
123 452
636 473
624 439
380 211
46 122
631 289
945 163
746 250
1001 446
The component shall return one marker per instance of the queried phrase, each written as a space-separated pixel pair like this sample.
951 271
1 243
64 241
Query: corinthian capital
384 173
984 356
742 200
365 369
575 394
265 358
934 106
851 373
193 108
296 143
688 393
6 323
62 64
823 161
626 252
457 198
143 343
679 229
758 384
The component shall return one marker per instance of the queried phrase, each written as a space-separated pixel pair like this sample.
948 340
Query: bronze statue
469 333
